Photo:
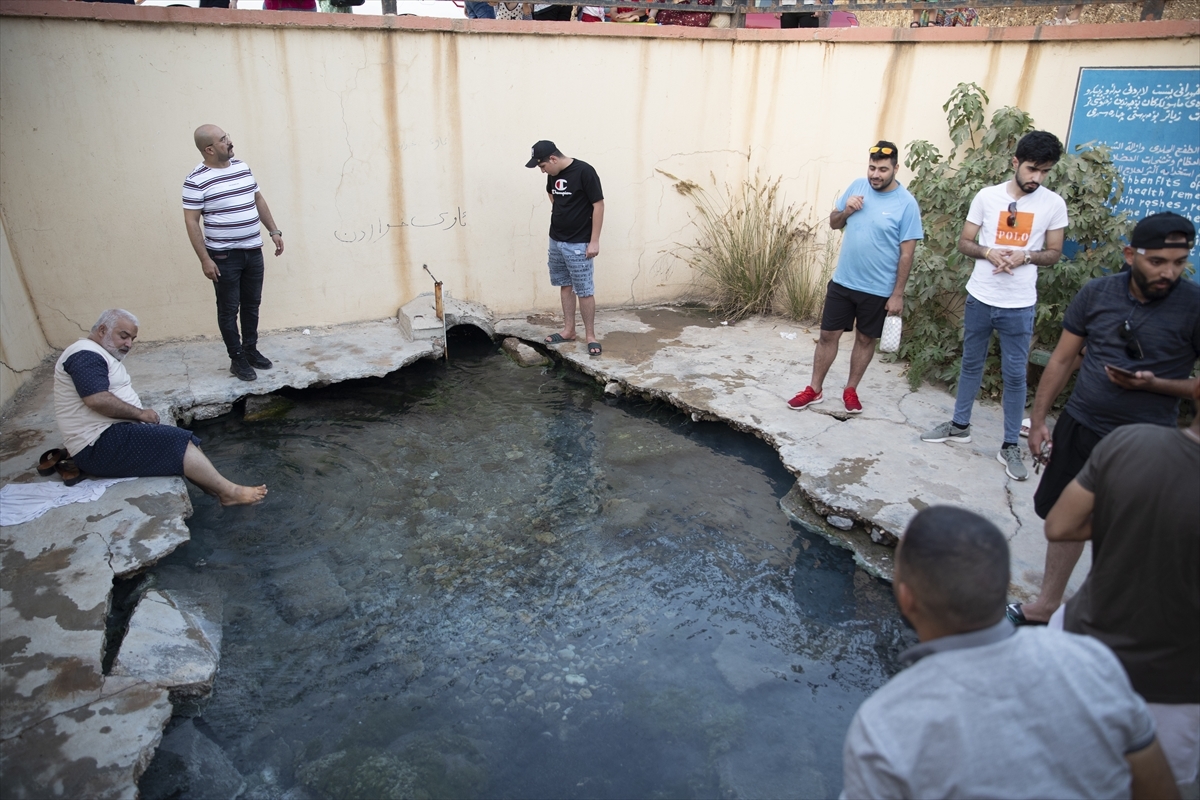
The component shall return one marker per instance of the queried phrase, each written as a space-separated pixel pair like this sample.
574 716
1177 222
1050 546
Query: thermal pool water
478 580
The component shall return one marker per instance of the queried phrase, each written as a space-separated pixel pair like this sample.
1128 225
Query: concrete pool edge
738 374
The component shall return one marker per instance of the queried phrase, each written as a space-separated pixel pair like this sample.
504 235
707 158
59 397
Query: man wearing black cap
576 217
1142 332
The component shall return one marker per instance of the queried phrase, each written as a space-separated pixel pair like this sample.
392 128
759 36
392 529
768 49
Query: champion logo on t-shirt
1015 235
560 185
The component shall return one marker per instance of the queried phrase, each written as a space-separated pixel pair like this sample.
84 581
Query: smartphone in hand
1122 372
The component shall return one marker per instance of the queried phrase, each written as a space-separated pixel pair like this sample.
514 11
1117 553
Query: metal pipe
440 310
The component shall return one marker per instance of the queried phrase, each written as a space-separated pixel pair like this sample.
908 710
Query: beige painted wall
22 345
352 130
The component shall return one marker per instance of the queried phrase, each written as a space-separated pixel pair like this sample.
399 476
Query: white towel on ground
21 502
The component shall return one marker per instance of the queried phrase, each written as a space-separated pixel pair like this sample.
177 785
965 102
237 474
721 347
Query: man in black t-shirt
576 216
1142 332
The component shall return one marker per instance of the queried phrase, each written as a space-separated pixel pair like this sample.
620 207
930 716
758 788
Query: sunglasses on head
1012 214
887 151
1133 348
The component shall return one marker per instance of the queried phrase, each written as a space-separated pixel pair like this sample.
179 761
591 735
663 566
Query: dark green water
486 581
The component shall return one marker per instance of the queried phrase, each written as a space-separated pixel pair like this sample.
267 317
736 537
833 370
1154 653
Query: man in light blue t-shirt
883 225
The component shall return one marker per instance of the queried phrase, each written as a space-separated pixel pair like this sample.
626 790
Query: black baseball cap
542 151
1152 232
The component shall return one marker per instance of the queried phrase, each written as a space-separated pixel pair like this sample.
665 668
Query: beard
115 352
1152 291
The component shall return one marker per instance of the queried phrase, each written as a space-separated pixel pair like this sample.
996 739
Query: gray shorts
570 266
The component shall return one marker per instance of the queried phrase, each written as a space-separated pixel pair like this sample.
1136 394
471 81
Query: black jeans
239 287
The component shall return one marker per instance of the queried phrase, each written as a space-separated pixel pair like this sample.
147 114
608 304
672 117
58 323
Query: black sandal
49 461
70 473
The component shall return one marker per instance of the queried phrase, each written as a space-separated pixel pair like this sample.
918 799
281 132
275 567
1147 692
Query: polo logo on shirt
1015 235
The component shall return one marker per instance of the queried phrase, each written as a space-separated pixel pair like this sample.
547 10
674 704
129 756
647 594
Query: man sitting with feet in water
93 396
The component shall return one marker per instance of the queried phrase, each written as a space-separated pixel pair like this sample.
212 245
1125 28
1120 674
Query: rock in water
522 353
190 765
309 593
264 407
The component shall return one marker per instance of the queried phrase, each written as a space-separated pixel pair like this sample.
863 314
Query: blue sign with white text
1150 119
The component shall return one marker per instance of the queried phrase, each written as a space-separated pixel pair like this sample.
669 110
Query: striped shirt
225 198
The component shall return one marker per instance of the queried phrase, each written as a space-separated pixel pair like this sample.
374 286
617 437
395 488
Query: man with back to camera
883 225
222 191
1136 499
576 217
1142 332
1012 229
955 723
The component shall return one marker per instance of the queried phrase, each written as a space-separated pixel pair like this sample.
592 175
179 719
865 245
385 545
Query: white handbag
889 342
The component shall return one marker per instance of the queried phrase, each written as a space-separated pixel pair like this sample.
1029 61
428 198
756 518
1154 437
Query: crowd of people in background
813 15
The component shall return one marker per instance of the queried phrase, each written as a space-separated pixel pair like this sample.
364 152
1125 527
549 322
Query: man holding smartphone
1142 332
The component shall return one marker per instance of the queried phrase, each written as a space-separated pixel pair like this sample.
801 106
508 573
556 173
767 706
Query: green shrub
750 248
982 156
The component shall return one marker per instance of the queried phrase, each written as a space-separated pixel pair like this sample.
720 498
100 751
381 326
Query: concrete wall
384 144
22 344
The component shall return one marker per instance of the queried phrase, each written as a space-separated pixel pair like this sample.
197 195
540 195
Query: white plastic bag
890 341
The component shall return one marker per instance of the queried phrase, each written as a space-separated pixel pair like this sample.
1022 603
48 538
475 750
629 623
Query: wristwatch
280 233
1028 258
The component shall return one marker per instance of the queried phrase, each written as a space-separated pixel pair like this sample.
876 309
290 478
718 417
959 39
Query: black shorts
846 309
136 450
1072 445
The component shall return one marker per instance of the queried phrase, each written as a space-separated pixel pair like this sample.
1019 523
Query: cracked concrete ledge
67 729
870 469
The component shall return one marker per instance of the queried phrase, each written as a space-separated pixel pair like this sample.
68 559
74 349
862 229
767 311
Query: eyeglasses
1012 214
887 151
1133 348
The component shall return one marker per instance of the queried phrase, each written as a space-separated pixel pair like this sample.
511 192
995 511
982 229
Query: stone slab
170 643
97 750
180 376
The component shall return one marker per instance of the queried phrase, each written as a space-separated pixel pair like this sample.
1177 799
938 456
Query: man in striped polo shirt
222 191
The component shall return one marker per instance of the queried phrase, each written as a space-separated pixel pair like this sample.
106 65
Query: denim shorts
570 266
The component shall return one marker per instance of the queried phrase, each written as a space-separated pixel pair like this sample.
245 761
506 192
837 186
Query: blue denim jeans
1014 326
480 11
239 292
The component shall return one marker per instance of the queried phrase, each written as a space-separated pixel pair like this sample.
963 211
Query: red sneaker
805 399
850 398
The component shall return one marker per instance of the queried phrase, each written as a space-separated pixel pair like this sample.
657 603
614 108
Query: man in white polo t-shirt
222 192
1012 229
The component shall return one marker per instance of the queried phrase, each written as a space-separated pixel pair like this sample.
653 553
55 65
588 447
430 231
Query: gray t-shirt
1142 596
1038 713
1169 332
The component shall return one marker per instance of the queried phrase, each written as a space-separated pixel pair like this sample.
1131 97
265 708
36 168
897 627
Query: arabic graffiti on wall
1150 119
379 229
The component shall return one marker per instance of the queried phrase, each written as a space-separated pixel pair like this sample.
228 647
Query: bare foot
244 495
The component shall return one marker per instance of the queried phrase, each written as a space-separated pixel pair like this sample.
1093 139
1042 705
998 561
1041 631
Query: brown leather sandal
70 473
49 460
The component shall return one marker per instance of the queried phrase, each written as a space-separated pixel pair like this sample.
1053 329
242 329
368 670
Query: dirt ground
997 17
